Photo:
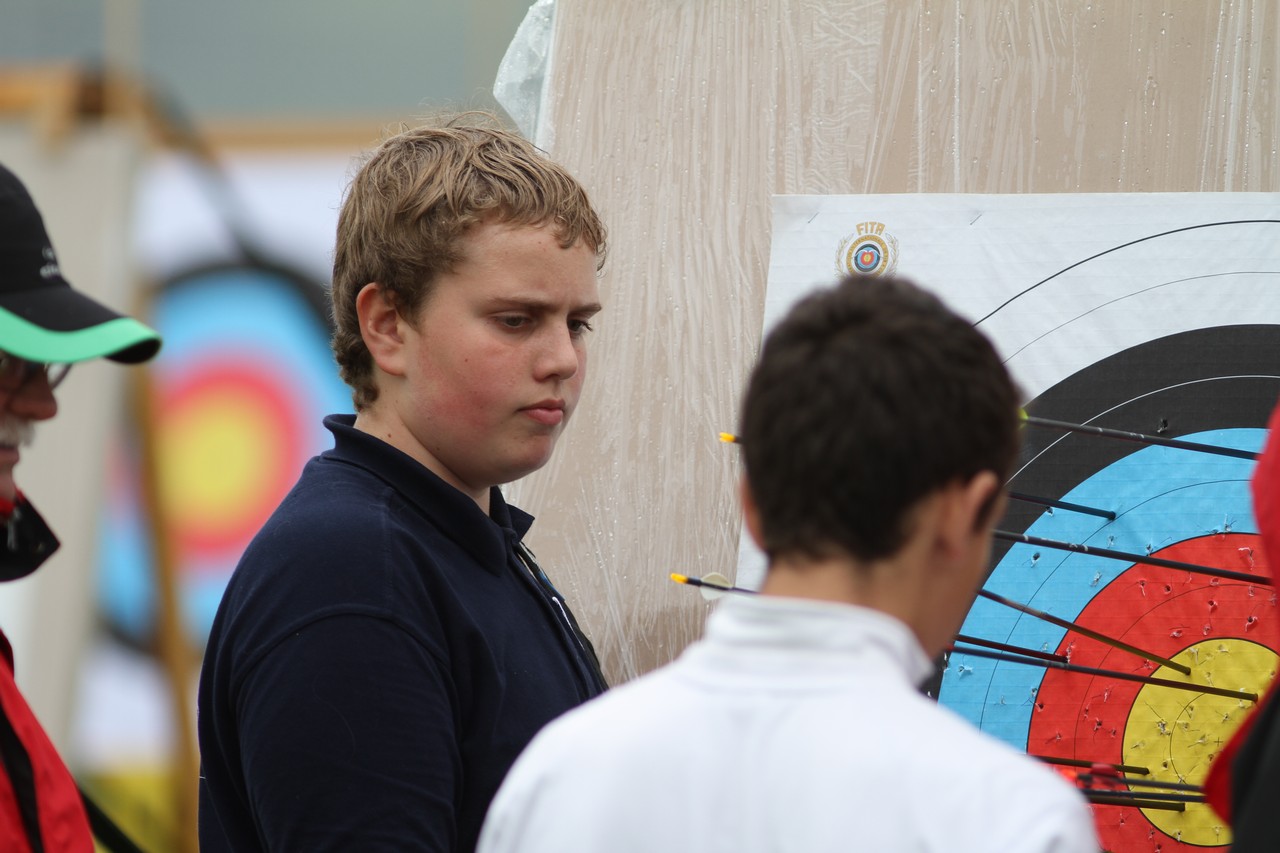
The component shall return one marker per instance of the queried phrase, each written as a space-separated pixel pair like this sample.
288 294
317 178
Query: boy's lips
546 412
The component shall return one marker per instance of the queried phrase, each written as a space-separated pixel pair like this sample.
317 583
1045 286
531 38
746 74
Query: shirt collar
820 631
488 538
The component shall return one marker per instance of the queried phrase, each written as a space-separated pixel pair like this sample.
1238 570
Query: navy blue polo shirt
379 659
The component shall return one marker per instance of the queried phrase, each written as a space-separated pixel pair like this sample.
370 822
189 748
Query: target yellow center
1176 733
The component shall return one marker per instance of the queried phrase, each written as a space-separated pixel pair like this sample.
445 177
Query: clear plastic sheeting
520 86
684 117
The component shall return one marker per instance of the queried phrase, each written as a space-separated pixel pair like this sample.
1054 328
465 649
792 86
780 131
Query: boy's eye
578 327
513 321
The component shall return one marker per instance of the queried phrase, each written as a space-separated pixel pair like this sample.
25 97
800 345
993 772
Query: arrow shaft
1111 673
1147 795
1129 557
699 582
1086 632
1090 779
1067 505
1080 762
1142 438
1112 800
1018 650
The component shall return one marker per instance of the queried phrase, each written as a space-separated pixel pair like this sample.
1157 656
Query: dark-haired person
878 428
387 646
45 327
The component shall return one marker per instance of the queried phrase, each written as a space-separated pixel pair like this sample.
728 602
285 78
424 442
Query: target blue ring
1158 493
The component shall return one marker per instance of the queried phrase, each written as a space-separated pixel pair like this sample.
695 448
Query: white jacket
792 726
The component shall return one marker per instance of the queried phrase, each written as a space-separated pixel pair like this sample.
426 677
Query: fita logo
50 267
870 250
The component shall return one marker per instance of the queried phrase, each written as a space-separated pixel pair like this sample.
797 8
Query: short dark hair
407 209
867 397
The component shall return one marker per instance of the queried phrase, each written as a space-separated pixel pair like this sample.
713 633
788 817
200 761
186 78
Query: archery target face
241 386
1150 313
1170 503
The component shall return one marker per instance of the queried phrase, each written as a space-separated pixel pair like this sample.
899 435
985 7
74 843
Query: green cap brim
123 339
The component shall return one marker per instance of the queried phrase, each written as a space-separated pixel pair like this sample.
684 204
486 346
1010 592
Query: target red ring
1169 613
217 486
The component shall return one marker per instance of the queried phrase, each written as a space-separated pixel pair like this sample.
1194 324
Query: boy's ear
382 328
970 507
751 513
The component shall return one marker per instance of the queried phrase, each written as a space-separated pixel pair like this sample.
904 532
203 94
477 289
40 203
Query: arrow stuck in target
1141 438
1112 673
1129 557
1087 632
1109 515
719 585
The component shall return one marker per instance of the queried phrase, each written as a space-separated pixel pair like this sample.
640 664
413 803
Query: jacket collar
805 639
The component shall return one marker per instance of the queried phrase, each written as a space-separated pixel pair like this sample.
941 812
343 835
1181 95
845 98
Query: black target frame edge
1222 377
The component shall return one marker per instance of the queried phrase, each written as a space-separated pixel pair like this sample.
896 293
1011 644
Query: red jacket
40 806
1243 785
63 824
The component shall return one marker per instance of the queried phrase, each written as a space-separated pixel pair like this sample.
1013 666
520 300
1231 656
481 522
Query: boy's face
496 360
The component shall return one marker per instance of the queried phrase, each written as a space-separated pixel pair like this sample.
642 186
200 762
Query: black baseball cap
42 318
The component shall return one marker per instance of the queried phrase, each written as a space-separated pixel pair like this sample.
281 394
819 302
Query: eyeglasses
16 372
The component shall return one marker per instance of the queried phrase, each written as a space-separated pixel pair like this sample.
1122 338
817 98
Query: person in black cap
45 327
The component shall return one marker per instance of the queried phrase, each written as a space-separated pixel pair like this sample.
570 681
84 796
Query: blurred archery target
240 388
1203 385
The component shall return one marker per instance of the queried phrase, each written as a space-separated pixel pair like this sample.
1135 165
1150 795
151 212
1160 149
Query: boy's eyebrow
535 303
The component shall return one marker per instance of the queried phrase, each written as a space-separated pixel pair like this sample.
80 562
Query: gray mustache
16 432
